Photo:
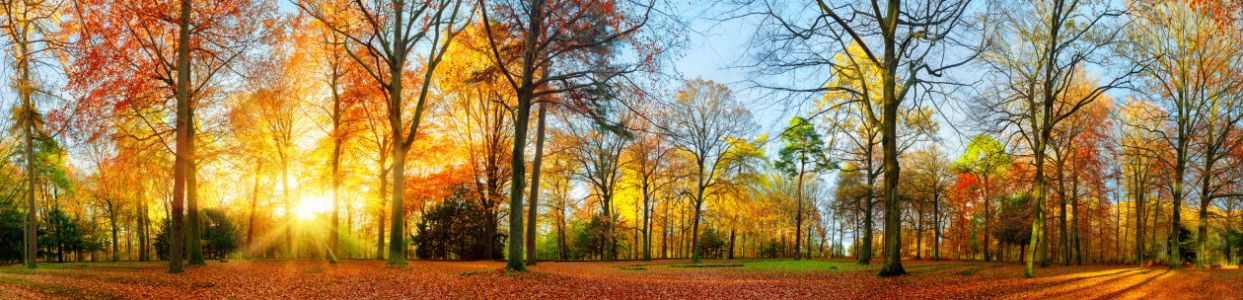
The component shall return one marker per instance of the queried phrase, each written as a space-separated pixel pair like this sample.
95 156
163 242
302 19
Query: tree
125 60
648 156
479 107
599 153
1191 66
33 28
707 124
900 39
567 46
983 158
934 176
1040 53
391 31
803 148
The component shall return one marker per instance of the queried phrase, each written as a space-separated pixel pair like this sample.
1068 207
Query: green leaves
803 151
984 156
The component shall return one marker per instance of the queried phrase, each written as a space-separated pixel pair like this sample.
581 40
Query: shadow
1073 279
1059 295
1118 294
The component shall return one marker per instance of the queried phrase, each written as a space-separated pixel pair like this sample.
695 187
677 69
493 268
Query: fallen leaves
600 280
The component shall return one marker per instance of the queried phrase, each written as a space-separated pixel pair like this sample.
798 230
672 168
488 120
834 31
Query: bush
456 229
11 234
162 239
219 234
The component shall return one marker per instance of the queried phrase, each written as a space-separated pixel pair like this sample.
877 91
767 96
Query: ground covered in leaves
664 279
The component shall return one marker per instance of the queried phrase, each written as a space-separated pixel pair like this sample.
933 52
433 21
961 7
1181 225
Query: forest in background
559 130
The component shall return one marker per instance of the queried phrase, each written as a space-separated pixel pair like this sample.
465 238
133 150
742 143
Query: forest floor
662 279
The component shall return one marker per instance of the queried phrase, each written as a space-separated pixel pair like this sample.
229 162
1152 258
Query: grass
805 265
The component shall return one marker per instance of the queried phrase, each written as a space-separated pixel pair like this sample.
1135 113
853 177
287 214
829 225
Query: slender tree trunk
988 216
525 93
383 193
289 218
798 217
699 200
254 205
533 211
112 219
1139 219
1077 254
32 220
334 244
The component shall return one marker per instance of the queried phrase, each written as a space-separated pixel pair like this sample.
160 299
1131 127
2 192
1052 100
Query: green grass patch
314 270
57 290
805 265
707 265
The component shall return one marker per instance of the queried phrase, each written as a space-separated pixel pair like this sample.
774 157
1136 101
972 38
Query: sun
311 206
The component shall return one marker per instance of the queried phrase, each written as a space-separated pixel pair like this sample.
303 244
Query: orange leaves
594 280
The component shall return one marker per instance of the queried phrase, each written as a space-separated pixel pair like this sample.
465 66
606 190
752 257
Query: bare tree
903 39
707 124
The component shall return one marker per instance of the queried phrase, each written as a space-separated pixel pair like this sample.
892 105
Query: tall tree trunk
396 243
334 244
289 218
936 223
798 217
194 233
1180 171
383 193
533 211
1139 218
525 93
988 216
254 205
699 200
183 153
1074 210
1037 242
1064 243
112 219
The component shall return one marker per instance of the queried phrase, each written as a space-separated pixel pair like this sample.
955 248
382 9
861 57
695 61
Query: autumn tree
933 175
1191 58
567 46
984 158
478 112
1039 52
649 156
389 32
1134 118
708 121
137 55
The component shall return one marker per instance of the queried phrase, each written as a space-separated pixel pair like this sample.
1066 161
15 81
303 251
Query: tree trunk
112 219
334 244
396 243
988 216
798 217
533 211
383 193
254 203
183 154
194 232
